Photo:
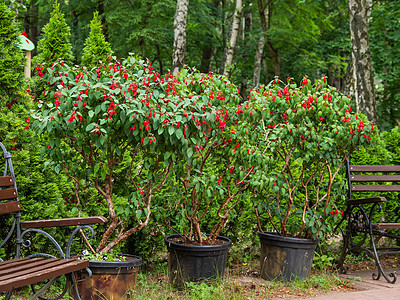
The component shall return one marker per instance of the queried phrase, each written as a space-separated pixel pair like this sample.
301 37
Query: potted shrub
207 179
300 137
102 124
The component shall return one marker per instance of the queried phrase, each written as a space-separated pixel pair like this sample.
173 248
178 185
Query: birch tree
234 33
360 83
179 51
262 8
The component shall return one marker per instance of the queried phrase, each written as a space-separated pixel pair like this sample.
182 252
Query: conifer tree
56 42
12 60
96 47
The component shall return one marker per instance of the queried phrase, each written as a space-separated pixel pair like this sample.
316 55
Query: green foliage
147 31
202 291
298 138
208 180
322 261
56 43
12 60
384 38
101 121
96 47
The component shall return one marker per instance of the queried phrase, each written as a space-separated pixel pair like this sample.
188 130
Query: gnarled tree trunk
359 81
179 52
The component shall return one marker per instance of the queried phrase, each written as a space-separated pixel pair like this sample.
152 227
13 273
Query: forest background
249 41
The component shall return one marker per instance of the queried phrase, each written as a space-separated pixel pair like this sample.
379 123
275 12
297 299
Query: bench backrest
9 203
8 188
373 178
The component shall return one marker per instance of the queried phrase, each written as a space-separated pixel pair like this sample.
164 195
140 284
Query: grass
241 282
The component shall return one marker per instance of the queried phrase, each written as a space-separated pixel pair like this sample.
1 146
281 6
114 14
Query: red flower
72 117
219 181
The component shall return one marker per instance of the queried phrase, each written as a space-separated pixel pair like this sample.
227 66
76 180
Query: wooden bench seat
359 224
21 272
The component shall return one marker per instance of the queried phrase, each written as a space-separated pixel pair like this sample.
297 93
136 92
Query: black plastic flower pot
286 258
110 279
190 263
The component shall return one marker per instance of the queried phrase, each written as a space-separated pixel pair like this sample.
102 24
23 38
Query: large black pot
286 258
110 279
189 263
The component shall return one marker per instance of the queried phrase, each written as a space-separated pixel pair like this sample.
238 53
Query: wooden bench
38 267
364 222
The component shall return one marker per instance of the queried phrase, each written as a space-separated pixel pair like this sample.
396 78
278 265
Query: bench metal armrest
64 222
366 200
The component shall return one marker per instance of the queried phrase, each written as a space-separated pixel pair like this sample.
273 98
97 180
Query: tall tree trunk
179 51
360 83
257 61
247 26
209 48
31 24
100 9
206 59
234 33
75 33
264 10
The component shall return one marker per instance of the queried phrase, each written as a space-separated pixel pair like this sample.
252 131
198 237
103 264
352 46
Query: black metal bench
38 267
364 223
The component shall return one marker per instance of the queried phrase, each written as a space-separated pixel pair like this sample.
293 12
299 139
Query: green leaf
123 115
138 214
189 152
171 130
179 133
90 127
96 169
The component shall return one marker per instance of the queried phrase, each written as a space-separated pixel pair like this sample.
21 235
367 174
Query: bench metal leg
375 255
346 238
44 288
8 295
360 223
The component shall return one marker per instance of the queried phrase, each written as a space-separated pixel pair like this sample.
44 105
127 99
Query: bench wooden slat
30 267
17 262
6 181
374 168
375 188
64 222
386 225
10 207
366 200
375 178
67 266
13 261
25 267
8 194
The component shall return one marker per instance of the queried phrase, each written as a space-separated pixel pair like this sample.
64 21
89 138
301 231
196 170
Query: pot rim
176 246
120 264
275 236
